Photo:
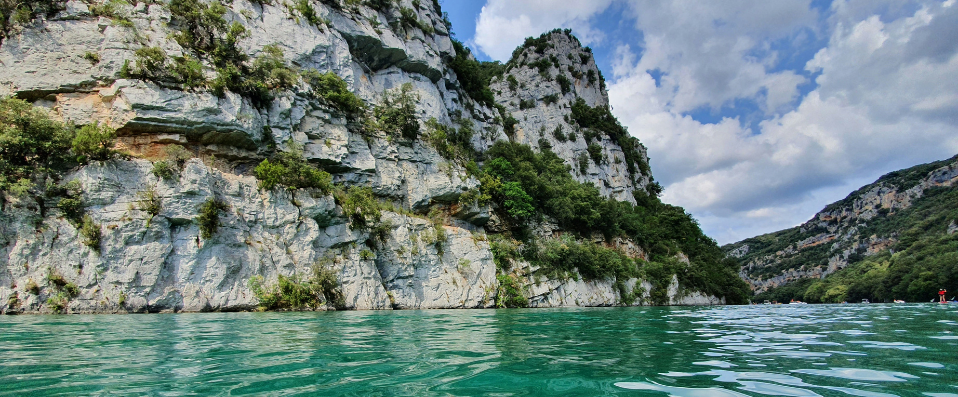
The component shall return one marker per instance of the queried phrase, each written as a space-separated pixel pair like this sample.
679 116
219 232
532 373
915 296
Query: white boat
865 301
899 301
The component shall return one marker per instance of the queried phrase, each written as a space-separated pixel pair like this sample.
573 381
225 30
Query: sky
757 114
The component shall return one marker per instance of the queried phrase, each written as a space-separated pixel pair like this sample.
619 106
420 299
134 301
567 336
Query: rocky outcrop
149 262
842 233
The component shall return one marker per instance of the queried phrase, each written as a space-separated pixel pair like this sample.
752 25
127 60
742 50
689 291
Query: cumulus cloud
873 89
880 104
504 24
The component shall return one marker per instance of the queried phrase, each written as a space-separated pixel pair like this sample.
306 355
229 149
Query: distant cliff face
238 82
871 221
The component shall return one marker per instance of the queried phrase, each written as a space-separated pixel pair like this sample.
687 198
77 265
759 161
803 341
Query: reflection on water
809 350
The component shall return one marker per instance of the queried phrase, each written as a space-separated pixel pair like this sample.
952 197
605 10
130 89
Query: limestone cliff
910 205
88 63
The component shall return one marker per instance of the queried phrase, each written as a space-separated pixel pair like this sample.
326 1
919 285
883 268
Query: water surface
808 350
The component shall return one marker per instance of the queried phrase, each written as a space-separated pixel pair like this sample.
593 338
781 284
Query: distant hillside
893 239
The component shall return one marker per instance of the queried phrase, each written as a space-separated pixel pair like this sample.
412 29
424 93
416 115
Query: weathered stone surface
70 64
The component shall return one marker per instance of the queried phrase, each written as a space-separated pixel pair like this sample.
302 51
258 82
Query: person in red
941 295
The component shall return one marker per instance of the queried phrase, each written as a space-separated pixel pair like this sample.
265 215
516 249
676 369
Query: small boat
795 302
899 301
865 301
766 303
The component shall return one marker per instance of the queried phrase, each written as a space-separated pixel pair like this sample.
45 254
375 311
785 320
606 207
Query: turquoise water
808 350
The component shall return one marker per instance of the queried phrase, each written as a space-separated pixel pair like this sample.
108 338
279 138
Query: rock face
70 63
865 223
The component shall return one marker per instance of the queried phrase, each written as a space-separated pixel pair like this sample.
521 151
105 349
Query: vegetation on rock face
290 169
601 119
891 252
22 12
332 89
663 229
396 114
297 293
209 217
509 293
474 76
922 259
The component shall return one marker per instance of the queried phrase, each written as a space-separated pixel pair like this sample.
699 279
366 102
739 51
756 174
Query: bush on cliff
291 170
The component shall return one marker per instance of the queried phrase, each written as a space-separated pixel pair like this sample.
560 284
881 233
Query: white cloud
714 52
886 99
504 24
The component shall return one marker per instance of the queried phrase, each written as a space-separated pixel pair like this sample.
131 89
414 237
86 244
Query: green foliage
601 119
558 134
163 170
509 293
58 303
396 115
583 161
306 10
94 142
297 293
334 91
663 229
56 279
32 287
517 203
925 258
13 13
564 84
592 260
475 76
504 252
550 99
209 217
513 83
451 143
90 231
527 104
93 57
595 152
360 206
148 201
291 170
13 301
32 146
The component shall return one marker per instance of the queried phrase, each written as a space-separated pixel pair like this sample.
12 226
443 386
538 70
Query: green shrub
509 293
527 104
396 115
32 287
177 154
21 12
583 160
71 204
306 10
291 170
209 216
13 301
90 231
149 202
558 134
162 170
601 119
360 206
296 293
595 152
550 99
564 84
94 142
58 303
475 76
366 254
513 83
334 91
32 146
56 279
93 57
